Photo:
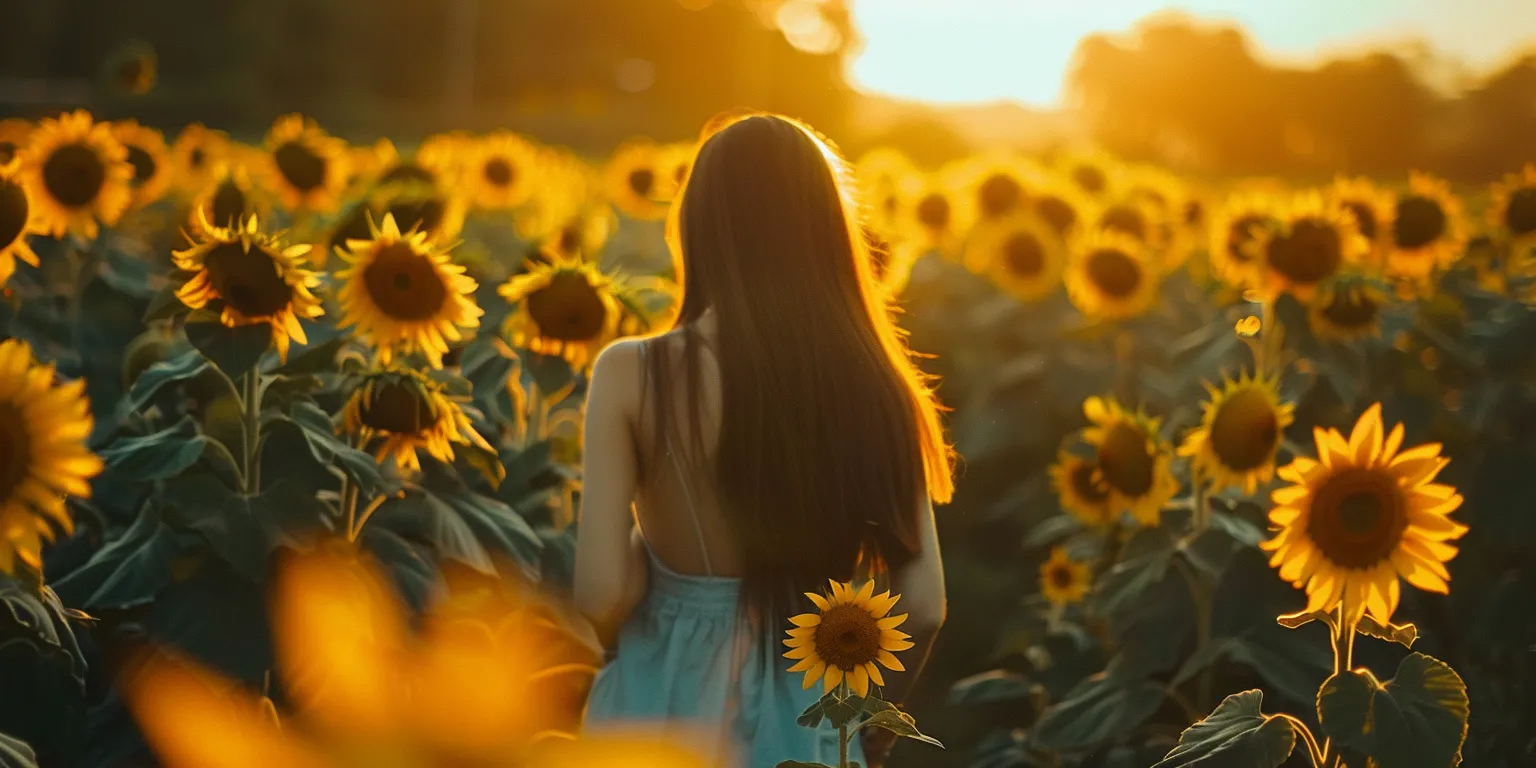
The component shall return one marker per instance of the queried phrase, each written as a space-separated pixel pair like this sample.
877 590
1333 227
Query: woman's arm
610 562
921 586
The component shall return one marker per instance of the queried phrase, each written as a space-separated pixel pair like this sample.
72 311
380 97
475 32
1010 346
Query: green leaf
316 358
1236 735
1147 557
128 571
314 426
232 350
184 367
164 454
1099 709
164 305
1418 719
841 712
421 516
988 687
815 713
1402 634
901 724
497 526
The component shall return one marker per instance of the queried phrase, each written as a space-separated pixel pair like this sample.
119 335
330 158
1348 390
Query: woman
777 437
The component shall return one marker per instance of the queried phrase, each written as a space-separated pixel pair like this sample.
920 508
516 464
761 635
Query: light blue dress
688 665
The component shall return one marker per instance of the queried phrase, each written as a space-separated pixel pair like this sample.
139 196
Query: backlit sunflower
1361 515
565 307
1095 173
997 188
251 278
849 638
1134 461
18 219
1371 208
1316 240
932 218
1137 219
675 164
583 235
885 176
634 180
1020 253
1511 209
1347 308
1063 581
421 207
1111 276
1081 489
1239 433
303 166
405 410
150 160
197 157
229 198
43 431
401 290
503 171
1427 231
78 175
438 161
1060 205
1238 230
14 133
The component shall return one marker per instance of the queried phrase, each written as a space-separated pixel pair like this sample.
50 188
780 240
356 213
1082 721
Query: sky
972 51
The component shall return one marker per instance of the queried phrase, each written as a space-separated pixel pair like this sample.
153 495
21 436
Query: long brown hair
829 434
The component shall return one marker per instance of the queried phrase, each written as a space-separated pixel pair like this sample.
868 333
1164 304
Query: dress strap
682 477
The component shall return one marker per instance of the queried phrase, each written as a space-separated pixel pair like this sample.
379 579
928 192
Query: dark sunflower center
398 407
570 239
247 280
1420 221
1057 213
569 309
1061 576
74 175
302 168
1194 212
197 158
14 208
7 151
933 211
1086 484
228 204
998 195
1357 517
1365 218
848 637
143 163
15 450
499 172
1245 430
408 172
1520 214
1351 309
1241 235
1309 253
1125 461
1127 221
642 181
420 215
1023 255
405 284
1114 272
1091 179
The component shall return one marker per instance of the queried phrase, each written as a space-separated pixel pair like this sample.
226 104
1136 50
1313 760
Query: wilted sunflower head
304 167
1081 489
402 292
1427 229
405 410
635 181
78 174
1239 433
1315 241
1512 209
565 307
149 157
18 219
1064 581
1238 231
1111 276
14 133
1134 461
1021 254
251 278
1347 308
1361 515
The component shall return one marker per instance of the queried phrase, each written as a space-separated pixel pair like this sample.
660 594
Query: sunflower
1081 489
1060 205
1347 308
1427 231
18 219
251 278
1511 209
1238 230
997 188
229 198
582 236
635 182
676 163
884 176
401 290
1095 173
78 175
132 69
303 166
197 157
565 307
1063 581
1316 239
850 637
503 171
406 410
1137 219
1361 515
43 431
437 161
1240 432
1111 276
931 216
1021 254
1370 206
14 133
1133 459
421 207
150 160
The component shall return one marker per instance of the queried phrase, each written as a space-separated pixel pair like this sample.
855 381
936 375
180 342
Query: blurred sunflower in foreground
1427 230
43 431
1134 462
250 278
1081 489
78 174
1062 580
493 677
564 307
405 410
1111 276
1239 433
303 166
1362 514
149 157
1021 254
400 290
18 219
850 637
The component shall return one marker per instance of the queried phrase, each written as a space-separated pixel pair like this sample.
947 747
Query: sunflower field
1246 465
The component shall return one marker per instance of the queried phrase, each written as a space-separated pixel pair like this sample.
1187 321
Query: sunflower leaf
1418 719
990 687
1402 634
1099 709
901 724
164 454
1237 734
162 374
1300 619
232 350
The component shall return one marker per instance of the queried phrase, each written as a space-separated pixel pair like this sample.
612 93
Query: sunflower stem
842 730
251 401
1314 752
1343 660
